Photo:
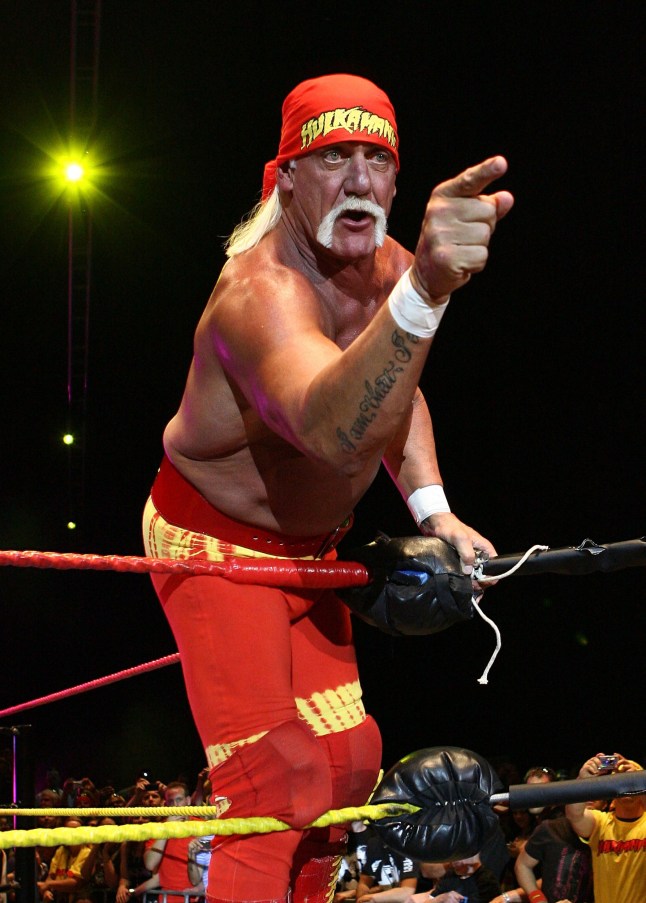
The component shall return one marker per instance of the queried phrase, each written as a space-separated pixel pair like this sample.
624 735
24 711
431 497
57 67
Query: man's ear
285 177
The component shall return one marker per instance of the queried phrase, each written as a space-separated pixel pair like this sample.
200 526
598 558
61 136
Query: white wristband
426 501
411 313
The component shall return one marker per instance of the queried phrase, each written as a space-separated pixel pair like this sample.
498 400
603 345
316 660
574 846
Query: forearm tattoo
377 390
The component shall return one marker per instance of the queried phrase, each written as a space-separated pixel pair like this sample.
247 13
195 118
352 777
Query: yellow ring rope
123 811
52 837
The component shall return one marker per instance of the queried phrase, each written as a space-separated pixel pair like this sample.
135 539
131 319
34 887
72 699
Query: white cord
478 575
475 599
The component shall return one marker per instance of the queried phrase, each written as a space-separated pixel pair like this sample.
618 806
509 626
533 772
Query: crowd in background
535 855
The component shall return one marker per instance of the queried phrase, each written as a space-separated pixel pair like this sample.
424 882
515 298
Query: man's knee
285 774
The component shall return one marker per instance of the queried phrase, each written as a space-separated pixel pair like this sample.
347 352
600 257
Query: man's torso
219 442
619 859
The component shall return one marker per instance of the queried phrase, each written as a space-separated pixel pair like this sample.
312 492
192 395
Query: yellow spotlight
68 439
74 172
71 525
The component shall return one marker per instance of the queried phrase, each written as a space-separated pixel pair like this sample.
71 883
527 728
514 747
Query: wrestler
303 381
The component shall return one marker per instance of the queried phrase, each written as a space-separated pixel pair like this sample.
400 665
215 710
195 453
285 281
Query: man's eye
332 155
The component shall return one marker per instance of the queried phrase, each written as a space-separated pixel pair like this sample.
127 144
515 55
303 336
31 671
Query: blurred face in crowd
539 776
73 823
175 796
152 798
464 867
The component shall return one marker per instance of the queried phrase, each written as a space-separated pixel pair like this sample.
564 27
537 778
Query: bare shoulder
259 288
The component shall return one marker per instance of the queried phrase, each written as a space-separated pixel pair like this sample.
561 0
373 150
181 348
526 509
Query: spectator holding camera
147 792
617 838
168 858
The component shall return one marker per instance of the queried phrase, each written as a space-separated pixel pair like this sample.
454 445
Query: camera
146 775
608 763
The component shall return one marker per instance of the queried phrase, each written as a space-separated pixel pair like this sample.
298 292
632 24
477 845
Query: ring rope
122 811
268 571
272 571
93 684
50 837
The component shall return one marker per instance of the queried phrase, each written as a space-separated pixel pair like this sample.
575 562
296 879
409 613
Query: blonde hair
259 221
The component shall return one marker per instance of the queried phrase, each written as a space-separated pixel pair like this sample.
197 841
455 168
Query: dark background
536 380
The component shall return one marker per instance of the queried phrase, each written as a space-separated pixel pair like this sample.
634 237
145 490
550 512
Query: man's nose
357 180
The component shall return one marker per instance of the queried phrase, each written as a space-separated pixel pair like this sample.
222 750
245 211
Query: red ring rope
267 571
93 684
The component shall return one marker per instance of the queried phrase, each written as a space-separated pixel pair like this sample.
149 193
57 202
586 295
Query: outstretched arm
343 407
578 814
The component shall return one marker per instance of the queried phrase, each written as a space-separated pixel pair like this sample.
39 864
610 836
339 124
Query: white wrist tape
426 501
411 313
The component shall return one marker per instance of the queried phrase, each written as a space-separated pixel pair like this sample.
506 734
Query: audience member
200 795
520 828
551 852
556 854
430 876
382 870
352 862
617 838
199 858
146 792
468 877
134 878
65 881
48 799
3 875
101 868
168 858
524 824
543 775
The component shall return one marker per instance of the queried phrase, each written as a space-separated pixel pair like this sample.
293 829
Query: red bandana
330 109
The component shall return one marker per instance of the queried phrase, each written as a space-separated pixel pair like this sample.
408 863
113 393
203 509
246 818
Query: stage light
68 439
74 172
71 525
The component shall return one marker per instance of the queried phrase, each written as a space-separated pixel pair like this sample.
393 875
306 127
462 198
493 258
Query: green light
71 525
68 439
74 172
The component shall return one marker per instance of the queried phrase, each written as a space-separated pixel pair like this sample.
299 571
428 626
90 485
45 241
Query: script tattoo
376 391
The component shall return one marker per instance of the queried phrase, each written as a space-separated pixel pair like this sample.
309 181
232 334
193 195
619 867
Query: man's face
73 823
151 798
320 183
175 796
538 779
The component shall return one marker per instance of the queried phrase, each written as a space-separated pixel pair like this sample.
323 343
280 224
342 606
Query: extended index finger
474 180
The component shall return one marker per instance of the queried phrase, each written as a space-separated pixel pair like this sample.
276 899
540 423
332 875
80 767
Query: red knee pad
355 761
283 775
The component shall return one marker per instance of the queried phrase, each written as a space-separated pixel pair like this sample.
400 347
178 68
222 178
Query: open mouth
357 216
